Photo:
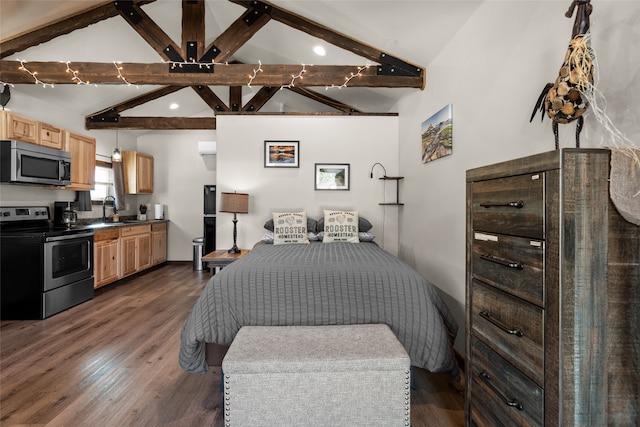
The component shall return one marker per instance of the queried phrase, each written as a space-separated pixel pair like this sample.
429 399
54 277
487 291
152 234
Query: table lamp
234 203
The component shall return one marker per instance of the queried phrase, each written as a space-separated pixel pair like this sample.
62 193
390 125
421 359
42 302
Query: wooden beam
63 26
235 98
259 99
267 92
324 100
210 98
158 123
312 113
224 75
116 109
193 34
150 31
334 37
236 35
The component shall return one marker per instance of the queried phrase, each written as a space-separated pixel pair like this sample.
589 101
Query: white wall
179 175
492 72
359 141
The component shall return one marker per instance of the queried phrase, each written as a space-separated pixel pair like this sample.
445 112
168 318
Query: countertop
124 223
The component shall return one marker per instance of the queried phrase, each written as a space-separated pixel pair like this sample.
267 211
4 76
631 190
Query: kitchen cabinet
138 172
106 256
83 160
123 250
13 126
159 242
50 136
552 297
135 246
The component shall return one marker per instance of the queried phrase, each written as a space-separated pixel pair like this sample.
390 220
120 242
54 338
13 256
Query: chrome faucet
104 202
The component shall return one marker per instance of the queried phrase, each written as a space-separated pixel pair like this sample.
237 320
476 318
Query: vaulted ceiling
234 56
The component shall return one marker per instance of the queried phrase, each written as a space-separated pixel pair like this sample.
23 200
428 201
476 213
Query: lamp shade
235 203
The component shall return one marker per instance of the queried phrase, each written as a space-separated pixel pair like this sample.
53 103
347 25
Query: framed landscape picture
437 135
281 154
332 176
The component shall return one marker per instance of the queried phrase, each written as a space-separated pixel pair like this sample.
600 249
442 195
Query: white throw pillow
340 226
290 227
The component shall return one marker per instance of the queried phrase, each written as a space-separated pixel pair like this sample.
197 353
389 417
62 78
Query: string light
33 74
255 72
6 84
294 78
351 77
178 64
120 76
75 77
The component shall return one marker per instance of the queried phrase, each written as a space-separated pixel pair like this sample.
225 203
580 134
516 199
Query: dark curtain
118 184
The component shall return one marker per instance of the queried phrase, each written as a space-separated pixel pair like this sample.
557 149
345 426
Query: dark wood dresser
553 295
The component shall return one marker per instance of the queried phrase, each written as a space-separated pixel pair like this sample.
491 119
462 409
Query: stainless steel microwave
25 163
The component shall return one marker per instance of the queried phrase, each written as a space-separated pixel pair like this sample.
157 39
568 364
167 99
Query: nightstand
222 258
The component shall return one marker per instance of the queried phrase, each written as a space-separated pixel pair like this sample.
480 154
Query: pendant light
116 156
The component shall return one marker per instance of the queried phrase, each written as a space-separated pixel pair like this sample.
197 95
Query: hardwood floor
113 361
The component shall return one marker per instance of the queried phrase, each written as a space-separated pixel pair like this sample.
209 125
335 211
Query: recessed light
174 106
319 50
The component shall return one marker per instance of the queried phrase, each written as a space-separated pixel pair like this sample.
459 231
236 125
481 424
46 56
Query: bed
321 284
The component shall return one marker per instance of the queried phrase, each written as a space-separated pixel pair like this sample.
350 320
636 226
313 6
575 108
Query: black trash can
198 247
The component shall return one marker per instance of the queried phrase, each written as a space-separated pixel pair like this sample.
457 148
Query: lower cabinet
106 257
122 251
135 243
159 242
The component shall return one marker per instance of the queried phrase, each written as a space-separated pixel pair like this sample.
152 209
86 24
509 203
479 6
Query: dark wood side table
222 258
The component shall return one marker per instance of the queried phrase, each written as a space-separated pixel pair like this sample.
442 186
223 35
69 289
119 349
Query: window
104 182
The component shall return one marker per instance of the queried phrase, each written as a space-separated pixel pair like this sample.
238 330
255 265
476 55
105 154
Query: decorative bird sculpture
564 101
5 95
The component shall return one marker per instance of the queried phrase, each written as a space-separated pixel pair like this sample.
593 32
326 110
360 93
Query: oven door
67 259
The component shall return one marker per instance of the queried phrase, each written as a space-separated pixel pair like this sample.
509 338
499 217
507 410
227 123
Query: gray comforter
322 284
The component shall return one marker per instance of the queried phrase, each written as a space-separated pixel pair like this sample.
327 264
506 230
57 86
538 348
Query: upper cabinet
13 126
83 160
138 172
81 147
50 136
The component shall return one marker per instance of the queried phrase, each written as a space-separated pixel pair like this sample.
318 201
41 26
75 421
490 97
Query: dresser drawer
513 264
513 205
511 326
500 394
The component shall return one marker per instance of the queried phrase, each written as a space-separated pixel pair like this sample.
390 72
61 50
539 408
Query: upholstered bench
356 375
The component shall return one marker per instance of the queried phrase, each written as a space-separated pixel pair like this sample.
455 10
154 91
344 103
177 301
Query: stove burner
32 220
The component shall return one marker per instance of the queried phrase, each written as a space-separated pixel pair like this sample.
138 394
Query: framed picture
281 154
332 176
437 135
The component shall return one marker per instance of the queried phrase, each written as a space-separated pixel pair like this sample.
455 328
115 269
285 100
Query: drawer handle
511 331
519 204
502 261
513 403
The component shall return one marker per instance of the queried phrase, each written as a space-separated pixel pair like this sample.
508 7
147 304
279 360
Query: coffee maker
143 213
65 214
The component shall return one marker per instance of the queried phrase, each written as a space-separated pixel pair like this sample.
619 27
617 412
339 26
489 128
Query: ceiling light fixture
174 106
319 50
116 156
